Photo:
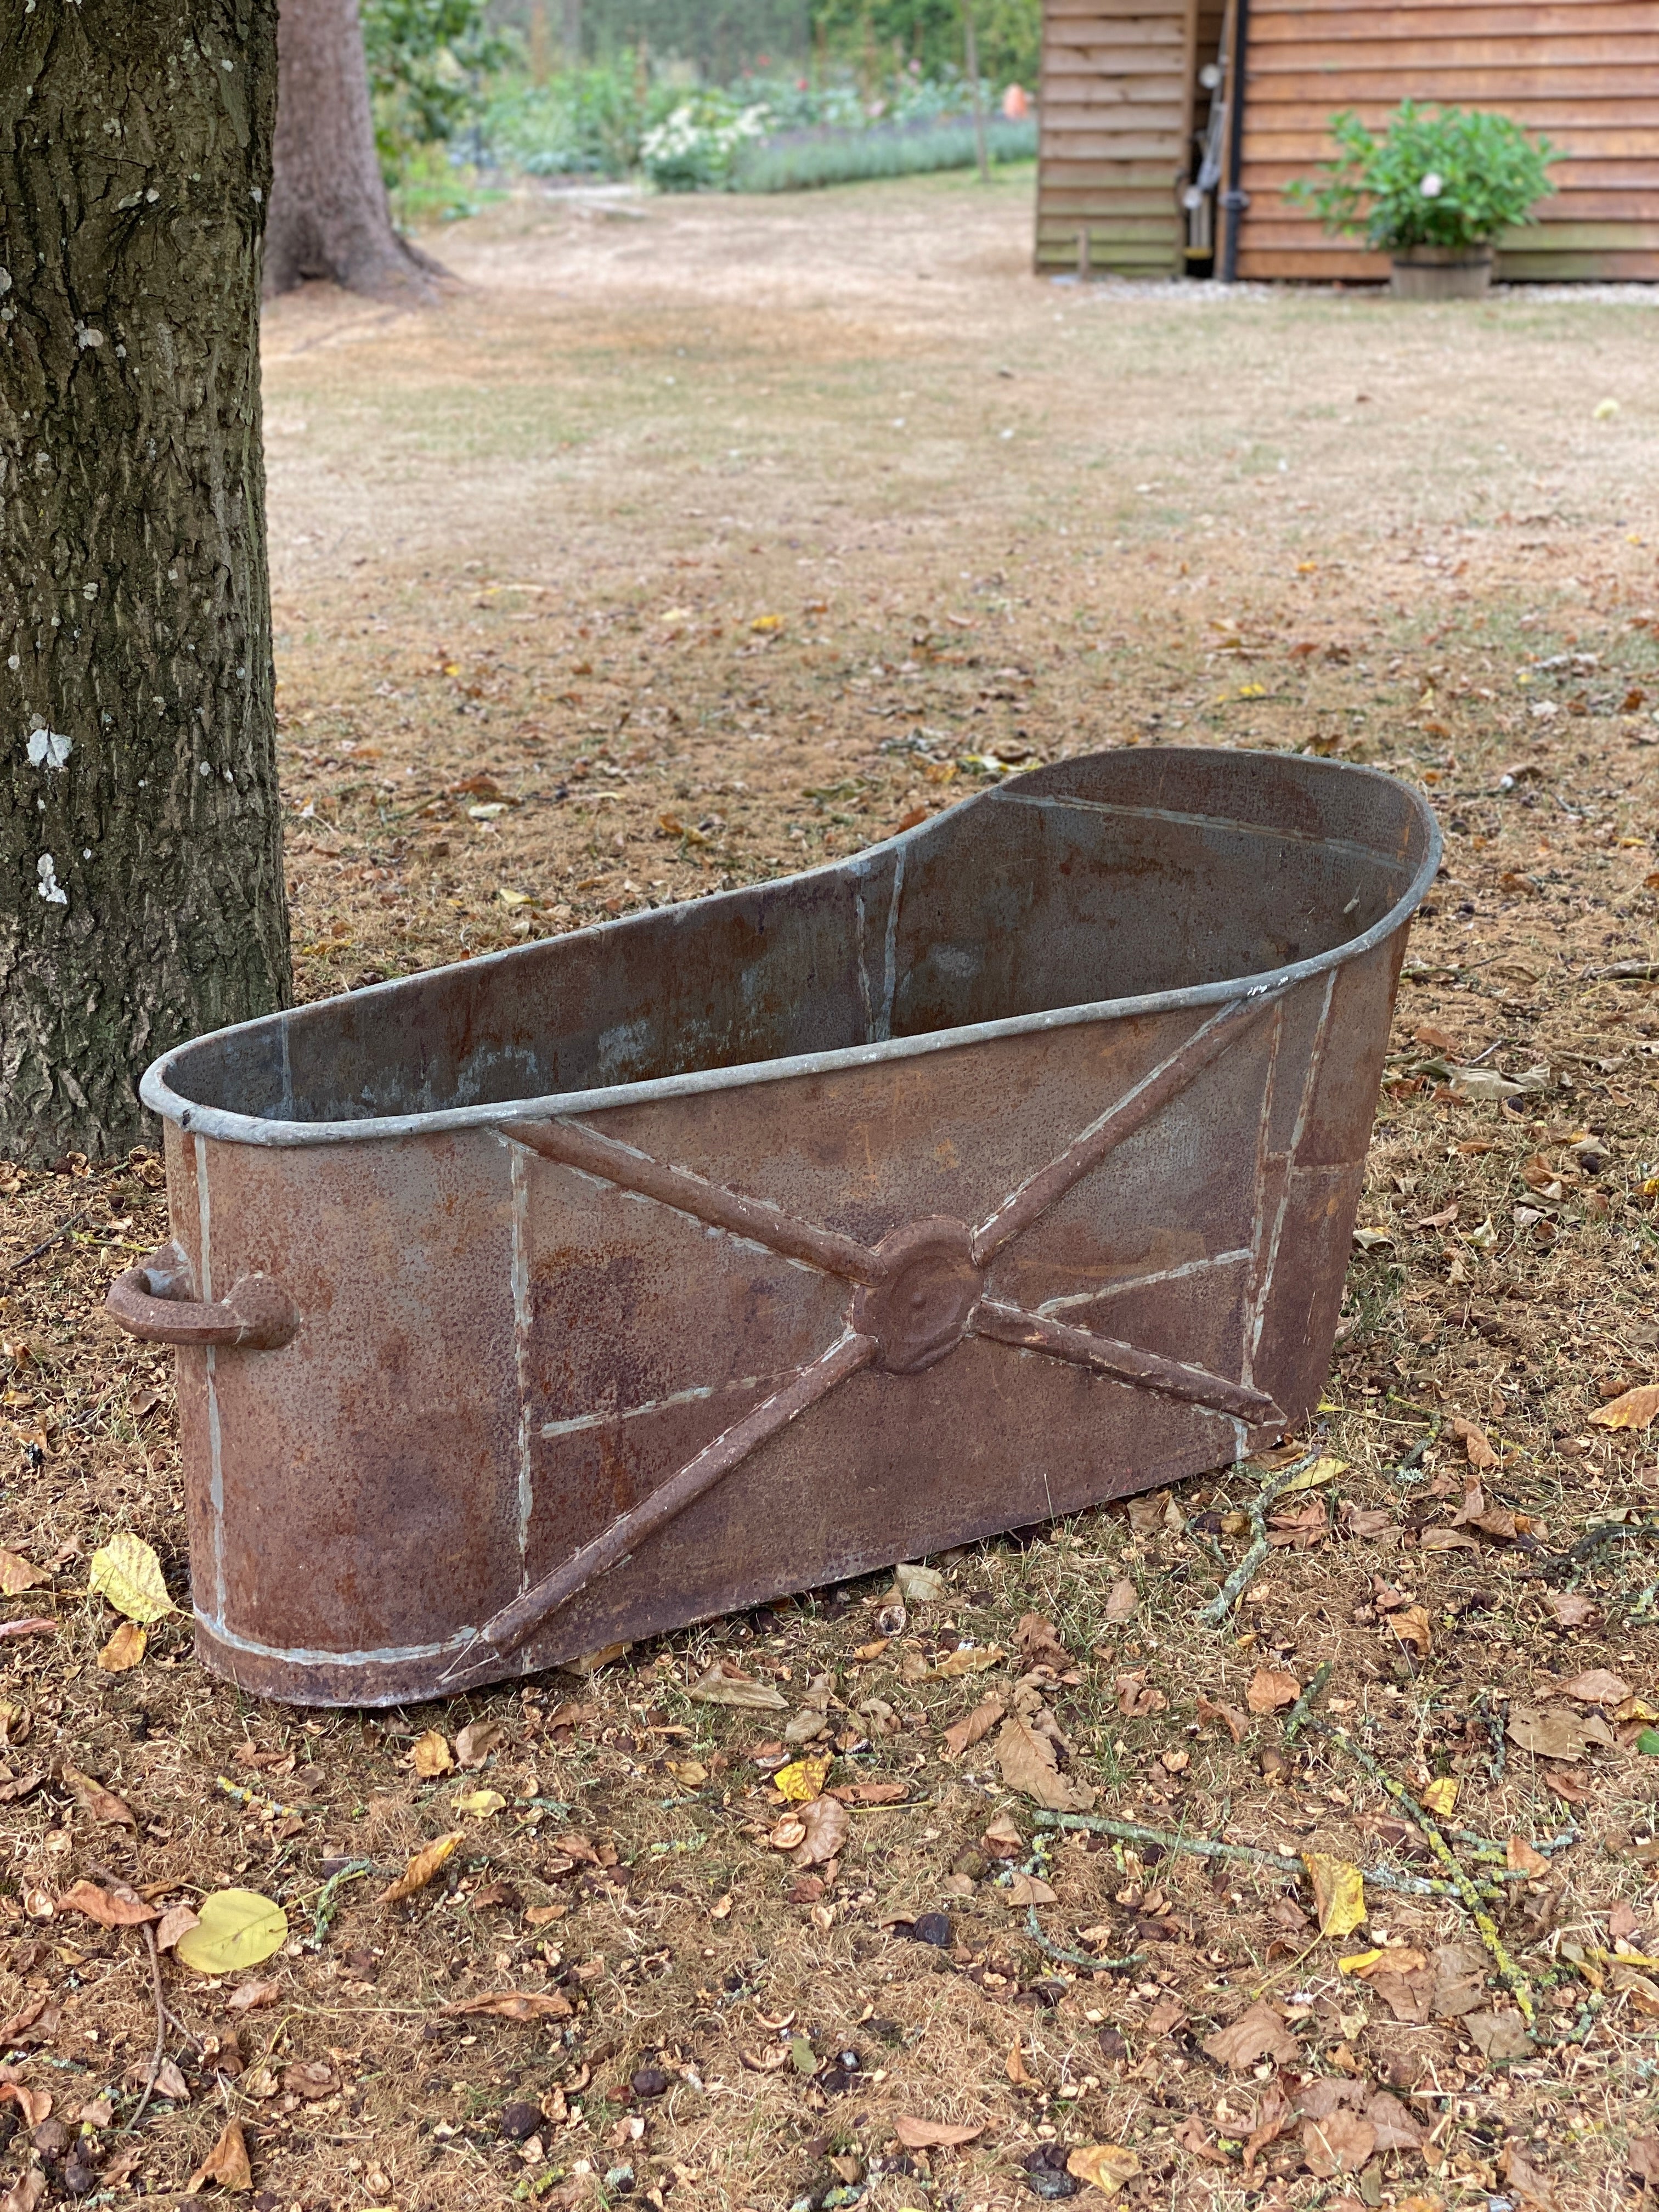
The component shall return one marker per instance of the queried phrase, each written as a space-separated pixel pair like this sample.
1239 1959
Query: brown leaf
511 2004
932 2134
103 1804
1196 2138
1273 2118
1460 1984
310 2078
26 2017
1396 2128
1002 1840
1038 1644
1340 2144
1025 1889
171 2083
226 2163
1029 1764
1498 2034
430 1756
966 1659
1372 1520
250 1996
1556 1735
1635 1410
1271 1690
1105 2166
1018 2072
1474 1441
1257 2034
122 2166
33 1626
109 1911
16 1575
963 1734
726 1684
26 2191
1446 1540
420 1868
1227 1716
1135 1699
1599 1686
1122 1601
1524 2181
1642 2158
1407 1996
1412 1625
476 1741
826 1823
178 1920
1571 1609
126 1648
35 2105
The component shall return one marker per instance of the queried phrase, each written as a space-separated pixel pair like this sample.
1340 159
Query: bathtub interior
1098 878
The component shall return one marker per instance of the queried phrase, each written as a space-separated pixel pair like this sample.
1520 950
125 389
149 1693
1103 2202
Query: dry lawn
692 542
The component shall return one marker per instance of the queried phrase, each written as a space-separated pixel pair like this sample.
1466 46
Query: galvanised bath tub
581 1291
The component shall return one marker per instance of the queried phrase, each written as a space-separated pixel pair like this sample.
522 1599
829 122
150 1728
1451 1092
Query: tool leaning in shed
576 1293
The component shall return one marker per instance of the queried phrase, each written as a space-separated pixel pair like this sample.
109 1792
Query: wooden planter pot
1441 272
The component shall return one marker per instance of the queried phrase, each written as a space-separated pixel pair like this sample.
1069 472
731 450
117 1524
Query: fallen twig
160 2051
1556 1564
1214 1615
1077 1958
269 1807
1302 1711
1496 1717
1403 1884
47 1242
322 1912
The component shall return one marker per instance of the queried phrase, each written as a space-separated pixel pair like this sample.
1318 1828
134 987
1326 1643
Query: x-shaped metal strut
915 1296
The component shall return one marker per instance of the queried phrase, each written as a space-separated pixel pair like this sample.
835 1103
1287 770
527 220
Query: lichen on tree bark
141 882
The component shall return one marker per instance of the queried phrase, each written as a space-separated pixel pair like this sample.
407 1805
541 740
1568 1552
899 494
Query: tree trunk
328 215
141 870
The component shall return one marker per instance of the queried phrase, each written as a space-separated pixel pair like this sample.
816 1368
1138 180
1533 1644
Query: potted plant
1433 191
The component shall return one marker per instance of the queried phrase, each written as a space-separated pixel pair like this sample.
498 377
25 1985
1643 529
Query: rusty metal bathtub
599 1287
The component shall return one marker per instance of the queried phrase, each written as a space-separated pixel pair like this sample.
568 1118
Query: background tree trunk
328 215
141 879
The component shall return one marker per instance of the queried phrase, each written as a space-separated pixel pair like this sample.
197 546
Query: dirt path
696 540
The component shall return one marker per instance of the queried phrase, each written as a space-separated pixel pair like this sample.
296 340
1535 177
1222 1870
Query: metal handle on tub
156 1301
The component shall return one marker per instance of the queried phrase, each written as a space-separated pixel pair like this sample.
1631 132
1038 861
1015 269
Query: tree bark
140 878
329 214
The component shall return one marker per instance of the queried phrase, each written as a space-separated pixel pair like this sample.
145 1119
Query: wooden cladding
1119 97
1584 72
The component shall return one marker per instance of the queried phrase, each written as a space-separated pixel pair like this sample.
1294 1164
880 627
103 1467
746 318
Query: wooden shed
1136 93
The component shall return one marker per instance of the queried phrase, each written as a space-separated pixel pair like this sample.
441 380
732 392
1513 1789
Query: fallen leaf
728 1685
253 1997
1003 1839
1498 2034
171 2083
310 2078
1339 1894
963 1734
1396 2128
129 1574
1571 1609
1524 2182
1411 1624
1440 1796
226 2163
766 2061
1635 1410
1642 2158
476 1741
511 2004
1018 2072
1597 1687
919 1585
826 1823
1385 1959
17 1575
966 1659
803 1779
1135 1699
1556 1735
1229 1716
104 1805
1257 2034
1025 1889
430 1756
1274 2116
1521 1858
1105 2166
420 1868
178 1920
480 1804
1122 1601
1476 1444
1271 1689
126 1648
789 1831
1196 2138
35 2105
107 1909
236 1928
1029 1764
12 2028
36 1625
1340 2144
689 1773
932 2134
1039 1646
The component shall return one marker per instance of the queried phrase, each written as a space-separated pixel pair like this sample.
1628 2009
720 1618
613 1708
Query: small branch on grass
1077 1958
1215 1614
1402 1885
160 2051
1558 1564
323 1912
1302 1711
47 1242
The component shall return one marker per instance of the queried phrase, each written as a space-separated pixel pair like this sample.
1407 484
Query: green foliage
587 122
798 164
426 58
873 35
1447 176
694 146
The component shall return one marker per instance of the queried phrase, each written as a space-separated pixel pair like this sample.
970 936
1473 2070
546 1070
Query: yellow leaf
689 1773
1635 1410
1105 2166
516 898
1339 1894
1322 1470
129 1574
481 1803
966 1659
420 1868
237 1928
126 1648
1440 1796
1360 1962
802 1780
763 622
430 1756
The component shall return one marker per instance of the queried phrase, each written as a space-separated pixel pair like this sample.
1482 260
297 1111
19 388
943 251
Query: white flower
1432 186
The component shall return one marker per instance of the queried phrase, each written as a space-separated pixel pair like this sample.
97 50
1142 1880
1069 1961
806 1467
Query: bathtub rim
225 1126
